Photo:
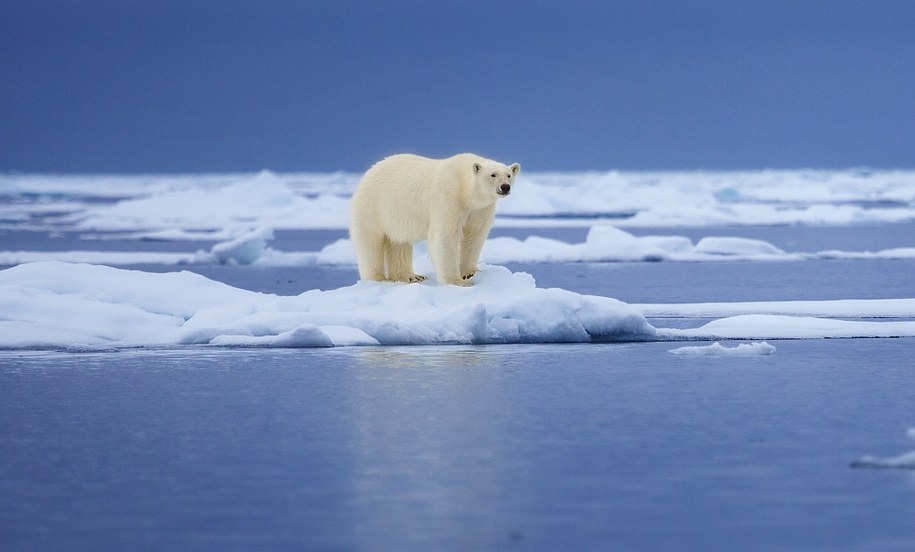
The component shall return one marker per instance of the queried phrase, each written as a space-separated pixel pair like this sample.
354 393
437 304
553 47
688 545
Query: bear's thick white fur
405 199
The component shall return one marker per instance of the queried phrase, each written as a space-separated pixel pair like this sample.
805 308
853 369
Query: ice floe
904 461
843 308
81 306
717 349
770 326
61 305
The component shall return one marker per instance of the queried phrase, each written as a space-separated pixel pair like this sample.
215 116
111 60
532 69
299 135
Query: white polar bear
405 199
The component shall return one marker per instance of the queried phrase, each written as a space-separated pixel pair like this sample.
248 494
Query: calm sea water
609 447
457 448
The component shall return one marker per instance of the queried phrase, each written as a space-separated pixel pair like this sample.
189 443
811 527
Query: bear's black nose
505 189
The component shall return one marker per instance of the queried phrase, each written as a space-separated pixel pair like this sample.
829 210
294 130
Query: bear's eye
509 177
493 175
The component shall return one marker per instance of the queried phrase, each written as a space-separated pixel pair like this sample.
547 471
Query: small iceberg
716 349
904 461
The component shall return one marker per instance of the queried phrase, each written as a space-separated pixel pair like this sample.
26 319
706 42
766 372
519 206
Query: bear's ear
477 167
515 168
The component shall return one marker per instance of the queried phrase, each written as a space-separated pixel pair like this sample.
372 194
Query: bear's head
495 179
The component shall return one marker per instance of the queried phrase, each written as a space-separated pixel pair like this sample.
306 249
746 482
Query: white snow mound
772 326
73 306
716 349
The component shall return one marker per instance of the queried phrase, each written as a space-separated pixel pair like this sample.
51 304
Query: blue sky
218 86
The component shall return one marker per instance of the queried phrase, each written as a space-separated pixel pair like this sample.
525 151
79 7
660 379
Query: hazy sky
227 85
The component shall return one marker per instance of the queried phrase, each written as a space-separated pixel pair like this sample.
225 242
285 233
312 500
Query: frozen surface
847 308
602 244
191 206
717 349
770 326
64 305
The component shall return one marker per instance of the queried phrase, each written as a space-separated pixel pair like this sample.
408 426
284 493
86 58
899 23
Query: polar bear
450 203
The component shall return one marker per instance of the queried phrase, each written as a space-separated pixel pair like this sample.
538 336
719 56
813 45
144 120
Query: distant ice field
179 206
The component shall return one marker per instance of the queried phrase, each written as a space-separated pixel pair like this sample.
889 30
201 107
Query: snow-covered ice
221 206
51 300
603 244
760 348
904 461
64 305
842 308
770 326
263 197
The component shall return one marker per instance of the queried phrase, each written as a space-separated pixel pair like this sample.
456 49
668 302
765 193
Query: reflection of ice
904 461
421 421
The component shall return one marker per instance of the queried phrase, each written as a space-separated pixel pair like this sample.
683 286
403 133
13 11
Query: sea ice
602 244
771 326
61 305
716 349
188 205
52 304
904 461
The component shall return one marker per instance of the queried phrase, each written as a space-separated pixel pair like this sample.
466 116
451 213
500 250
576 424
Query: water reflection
429 464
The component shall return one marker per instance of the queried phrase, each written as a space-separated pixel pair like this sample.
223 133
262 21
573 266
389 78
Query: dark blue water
612 447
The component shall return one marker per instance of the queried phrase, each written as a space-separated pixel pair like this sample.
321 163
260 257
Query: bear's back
401 170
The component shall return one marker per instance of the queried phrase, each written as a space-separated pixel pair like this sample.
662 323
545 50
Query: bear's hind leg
399 258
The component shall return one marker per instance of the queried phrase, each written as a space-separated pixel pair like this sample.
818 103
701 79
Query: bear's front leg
476 229
471 246
444 247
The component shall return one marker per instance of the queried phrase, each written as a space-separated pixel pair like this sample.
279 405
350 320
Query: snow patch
843 308
716 349
64 305
61 305
244 249
768 326
736 246
264 199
